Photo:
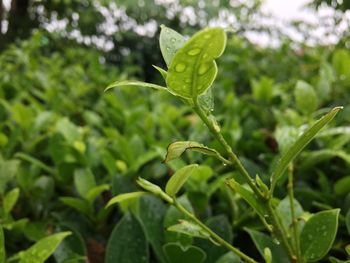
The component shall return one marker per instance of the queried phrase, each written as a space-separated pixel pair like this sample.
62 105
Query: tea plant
295 236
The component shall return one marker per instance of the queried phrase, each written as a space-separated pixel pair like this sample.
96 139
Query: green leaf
178 179
161 71
42 249
10 200
305 97
263 241
170 42
127 243
84 181
347 221
79 204
248 196
284 211
154 189
318 235
299 145
342 186
193 69
152 212
93 193
177 254
2 246
176 149
128 83
190 229
123 197
229 258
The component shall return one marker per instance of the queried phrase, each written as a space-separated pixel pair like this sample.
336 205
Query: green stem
213 235
292 209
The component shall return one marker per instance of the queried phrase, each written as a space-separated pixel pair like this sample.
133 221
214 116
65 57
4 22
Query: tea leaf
177 254
2 246
127 243
10 200
127 83
189 228
229 258
248 196
42 249
342 186
193 69
299 145
84 181
284 211
176 149
163 72
305 97
79 204
179 178
170 42
347 221
318 234
123 197
95 192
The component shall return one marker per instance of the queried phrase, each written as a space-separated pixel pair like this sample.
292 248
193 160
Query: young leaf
248 196
95 192
161 71
42 250
193 69
179 178
263 241
2 246
10 200
300 144
305 97
127 83
123 197
79 204
190 229
177 254
176 149
318 234
84 181
127 243
170 42
154 189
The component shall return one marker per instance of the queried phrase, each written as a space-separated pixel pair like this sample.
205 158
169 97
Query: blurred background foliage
67 147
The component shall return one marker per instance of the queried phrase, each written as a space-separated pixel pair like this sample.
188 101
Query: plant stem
213 235
292 209
278 228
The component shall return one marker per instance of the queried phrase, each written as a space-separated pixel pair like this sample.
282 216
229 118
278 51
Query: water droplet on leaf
180 67
194 51
203 68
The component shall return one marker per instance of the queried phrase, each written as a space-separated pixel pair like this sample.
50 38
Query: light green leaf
248 196
305 97
42 249
10 200
96 191
161 71
177 254
127 83
179 178
79 204
127 243
263 241
284 211
154 189
342 186
2 246
123 197
299 145
176 149
189 228
170 42
193 69
84 181
318 235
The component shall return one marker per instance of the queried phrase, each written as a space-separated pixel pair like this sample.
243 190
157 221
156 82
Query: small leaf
179 178
127 243
305 97
248 196
342 186
127 83
84 181
318 235
10 200
263 241
161 71
347 221
267 255
79 204
95 192
189 228
284 211
177 254
176 149
124 197
193 69
229 258
154 189
299 145
170 42
2 246
42 249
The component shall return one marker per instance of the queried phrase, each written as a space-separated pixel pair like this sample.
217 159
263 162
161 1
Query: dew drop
312 256
187 81
194 51
275 240
173 40
205 55
203 68
324 234
168 48
180 67
207 36
224 164
309 237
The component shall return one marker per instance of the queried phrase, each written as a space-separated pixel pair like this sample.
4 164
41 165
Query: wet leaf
189 228
177 254
318 234
178 179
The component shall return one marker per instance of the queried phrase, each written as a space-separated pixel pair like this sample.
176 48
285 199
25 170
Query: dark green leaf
318 234
229 258
127 243
177 254
2 246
